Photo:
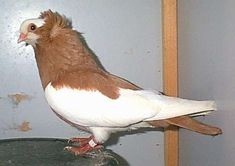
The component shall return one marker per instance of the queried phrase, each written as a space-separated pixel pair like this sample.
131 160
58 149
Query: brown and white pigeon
86 96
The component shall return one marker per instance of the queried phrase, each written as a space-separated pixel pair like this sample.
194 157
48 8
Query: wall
125 35
207 71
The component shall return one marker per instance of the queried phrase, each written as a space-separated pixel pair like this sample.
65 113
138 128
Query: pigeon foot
80 141
81 150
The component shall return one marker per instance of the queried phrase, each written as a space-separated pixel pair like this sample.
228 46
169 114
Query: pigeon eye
33 27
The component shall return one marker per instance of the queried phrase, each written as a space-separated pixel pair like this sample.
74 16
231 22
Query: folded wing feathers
174 107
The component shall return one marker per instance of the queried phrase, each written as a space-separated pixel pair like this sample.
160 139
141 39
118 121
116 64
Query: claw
68 148
72 150
81 150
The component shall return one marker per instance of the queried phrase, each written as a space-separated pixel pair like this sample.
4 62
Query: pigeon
81 92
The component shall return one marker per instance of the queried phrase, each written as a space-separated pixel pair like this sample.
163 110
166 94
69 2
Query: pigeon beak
22 37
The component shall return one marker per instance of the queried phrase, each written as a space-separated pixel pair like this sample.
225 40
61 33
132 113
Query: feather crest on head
54 22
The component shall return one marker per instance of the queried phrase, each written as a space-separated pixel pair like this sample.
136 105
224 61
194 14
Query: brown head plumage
55 19
54 22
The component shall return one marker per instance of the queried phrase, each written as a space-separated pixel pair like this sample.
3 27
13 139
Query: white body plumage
131 109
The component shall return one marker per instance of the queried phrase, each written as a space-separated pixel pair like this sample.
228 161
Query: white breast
93 109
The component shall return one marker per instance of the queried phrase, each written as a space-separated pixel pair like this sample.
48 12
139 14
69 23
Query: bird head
28 31
47 26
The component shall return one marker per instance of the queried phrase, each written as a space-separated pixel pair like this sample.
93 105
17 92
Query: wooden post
170 75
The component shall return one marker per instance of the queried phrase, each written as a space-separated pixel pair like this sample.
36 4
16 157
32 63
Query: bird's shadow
115 136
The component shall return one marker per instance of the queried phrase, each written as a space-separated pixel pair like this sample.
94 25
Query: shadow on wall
115 137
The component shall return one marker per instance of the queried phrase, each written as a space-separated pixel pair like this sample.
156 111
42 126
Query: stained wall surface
125 35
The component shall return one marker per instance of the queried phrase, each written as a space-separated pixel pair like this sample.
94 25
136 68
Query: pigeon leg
81 150
80 141
91 145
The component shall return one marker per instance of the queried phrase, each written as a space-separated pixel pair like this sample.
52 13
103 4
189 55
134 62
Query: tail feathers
170 107
175 107
181 107
200 113
187 123
194 125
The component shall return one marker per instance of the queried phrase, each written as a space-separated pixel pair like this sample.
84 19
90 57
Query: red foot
81 150
81 141
85 145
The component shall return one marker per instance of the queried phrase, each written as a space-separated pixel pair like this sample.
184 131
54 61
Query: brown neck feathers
63 52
